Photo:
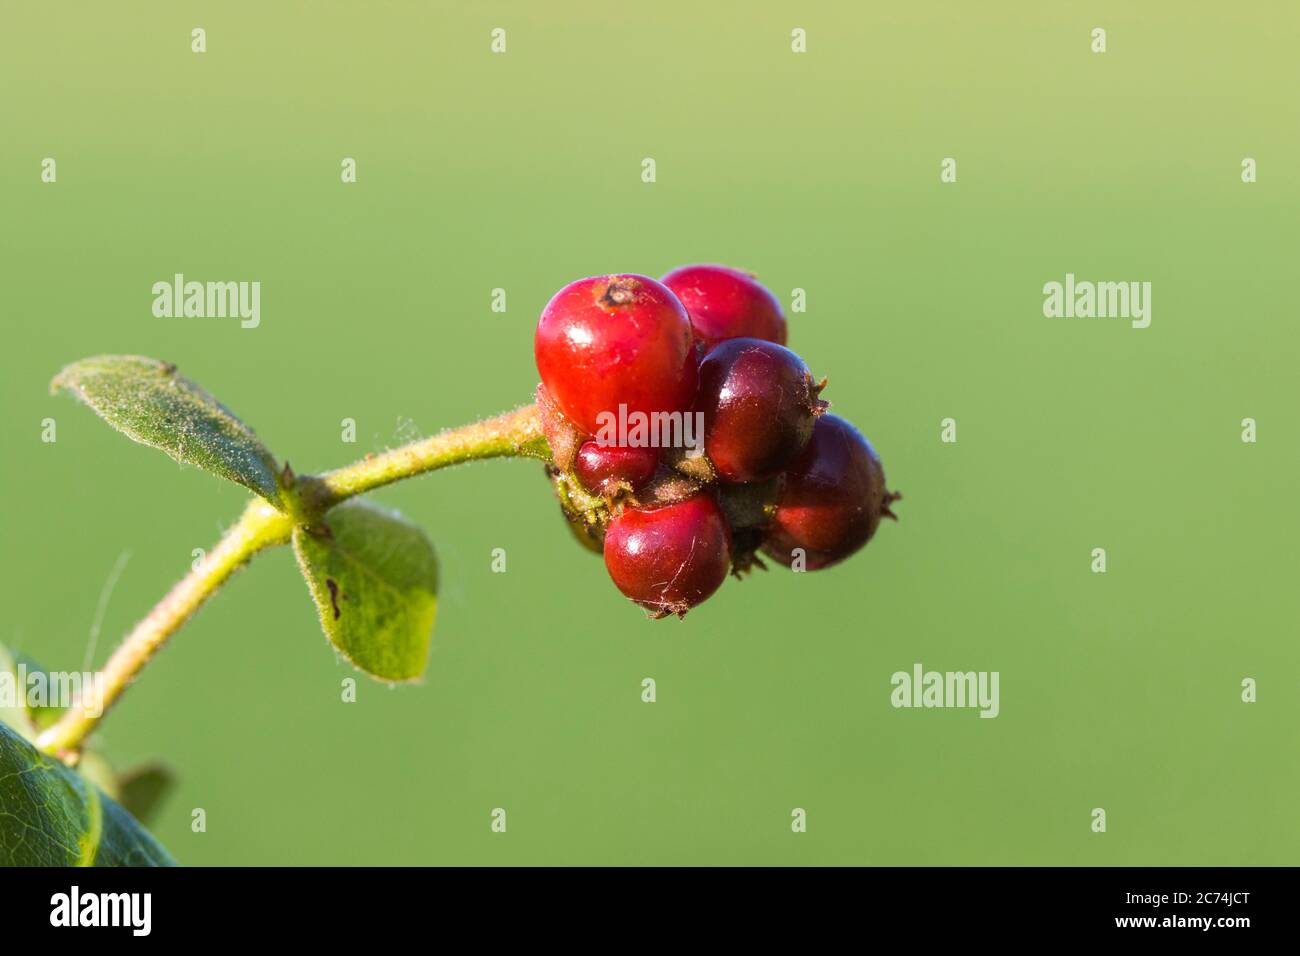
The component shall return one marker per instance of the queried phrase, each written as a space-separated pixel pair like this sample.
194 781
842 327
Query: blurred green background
818 171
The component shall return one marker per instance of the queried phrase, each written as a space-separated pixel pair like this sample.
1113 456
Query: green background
818 171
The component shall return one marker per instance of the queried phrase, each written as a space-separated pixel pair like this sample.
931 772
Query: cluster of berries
771 470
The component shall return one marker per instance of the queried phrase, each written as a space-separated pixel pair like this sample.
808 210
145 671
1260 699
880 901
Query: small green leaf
374 578
51 816
147 401
143 789
40 713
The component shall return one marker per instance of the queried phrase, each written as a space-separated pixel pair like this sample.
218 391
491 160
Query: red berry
611 340
831 499
727 304
603 469
671 558
759 404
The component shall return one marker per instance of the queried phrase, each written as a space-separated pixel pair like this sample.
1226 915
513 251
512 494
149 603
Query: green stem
514 434
260 527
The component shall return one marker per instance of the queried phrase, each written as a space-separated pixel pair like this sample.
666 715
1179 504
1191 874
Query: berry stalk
516 434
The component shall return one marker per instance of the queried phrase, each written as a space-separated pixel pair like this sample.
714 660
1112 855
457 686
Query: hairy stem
260 527
514 434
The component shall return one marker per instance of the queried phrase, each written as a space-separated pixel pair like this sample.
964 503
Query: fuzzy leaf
51 816
374 577
149 402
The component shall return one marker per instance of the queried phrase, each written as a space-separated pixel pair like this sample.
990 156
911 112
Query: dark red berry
759 403
830 500
604 469
671 558
611 340
727 304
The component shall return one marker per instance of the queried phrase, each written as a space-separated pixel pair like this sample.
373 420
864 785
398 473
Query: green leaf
374 578
37 716
147 401
139 789
143 789
51 816
95 767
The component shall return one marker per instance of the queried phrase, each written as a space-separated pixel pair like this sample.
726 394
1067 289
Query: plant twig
514 434
260 527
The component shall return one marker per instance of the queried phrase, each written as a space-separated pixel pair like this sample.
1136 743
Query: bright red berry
603 469
611 340
669 559
830 500
759 403
727 304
